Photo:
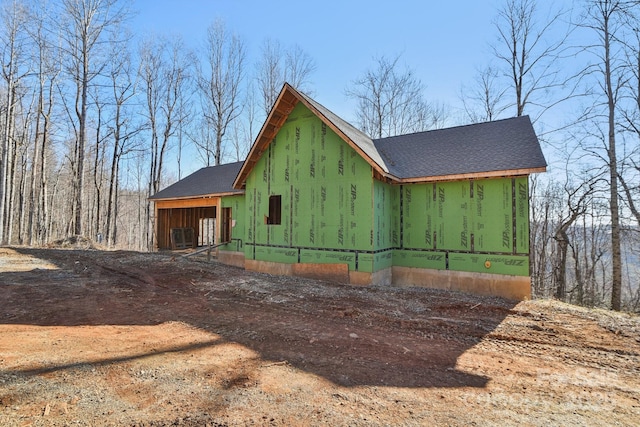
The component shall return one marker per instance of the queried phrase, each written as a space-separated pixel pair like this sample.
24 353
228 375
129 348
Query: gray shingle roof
503 145
206 181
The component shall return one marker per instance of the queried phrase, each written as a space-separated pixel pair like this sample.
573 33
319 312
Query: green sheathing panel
328 257
419 216
488 263
326 193
493 215
522 215
283 255
461 225
420 259
386 224
382 260
453 215
239 218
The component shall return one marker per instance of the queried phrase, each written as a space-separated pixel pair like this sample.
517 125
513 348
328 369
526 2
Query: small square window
275 210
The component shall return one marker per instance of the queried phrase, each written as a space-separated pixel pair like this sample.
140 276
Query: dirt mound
73 242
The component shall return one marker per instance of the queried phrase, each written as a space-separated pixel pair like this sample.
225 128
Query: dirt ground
108 338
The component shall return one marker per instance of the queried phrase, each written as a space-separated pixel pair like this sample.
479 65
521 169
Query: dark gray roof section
207 181
503 145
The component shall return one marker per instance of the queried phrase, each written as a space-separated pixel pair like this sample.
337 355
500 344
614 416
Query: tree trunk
616 253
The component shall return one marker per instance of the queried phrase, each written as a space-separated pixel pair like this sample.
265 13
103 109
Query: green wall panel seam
378 251
312 248
514 214
291 217
401 216
255 211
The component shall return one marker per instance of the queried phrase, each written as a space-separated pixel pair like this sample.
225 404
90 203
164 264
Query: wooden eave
283 106
466 176
384 177
203 196
278 115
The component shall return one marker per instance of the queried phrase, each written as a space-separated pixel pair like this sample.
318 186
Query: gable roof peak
286 101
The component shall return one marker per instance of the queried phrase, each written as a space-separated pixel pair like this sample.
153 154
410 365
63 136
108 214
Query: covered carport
188 213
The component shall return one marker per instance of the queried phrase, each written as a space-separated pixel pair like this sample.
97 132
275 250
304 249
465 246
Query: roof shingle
203 182
503 145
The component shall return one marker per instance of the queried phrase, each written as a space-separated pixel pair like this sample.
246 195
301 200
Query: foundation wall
332 272
512 287
379 278
268 267
359 278
231 258
338 273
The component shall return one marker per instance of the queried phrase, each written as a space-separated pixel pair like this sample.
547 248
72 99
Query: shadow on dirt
349 335
115 360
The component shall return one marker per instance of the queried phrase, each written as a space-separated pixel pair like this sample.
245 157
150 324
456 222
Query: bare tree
15 67
540 235
589 237
164 75
102 135
528 49
631 124
390 102
246 129
609 20
299 67
278 65
485 100
204 141
85 30
270 73
123 128
578 198
46 71
220 79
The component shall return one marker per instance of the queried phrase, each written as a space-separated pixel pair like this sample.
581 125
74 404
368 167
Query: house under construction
318 198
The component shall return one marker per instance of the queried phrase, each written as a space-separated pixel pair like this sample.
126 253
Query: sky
443 42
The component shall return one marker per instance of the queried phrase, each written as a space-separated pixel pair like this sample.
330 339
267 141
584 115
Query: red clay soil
104 338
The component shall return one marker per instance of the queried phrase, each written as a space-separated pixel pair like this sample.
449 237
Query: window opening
275 210
225 231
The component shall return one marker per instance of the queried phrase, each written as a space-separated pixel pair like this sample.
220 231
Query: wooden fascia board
204 196
277 116
384 177
465 176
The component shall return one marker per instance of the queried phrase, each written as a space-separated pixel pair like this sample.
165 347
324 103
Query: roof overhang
468 176
285 103
199 196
